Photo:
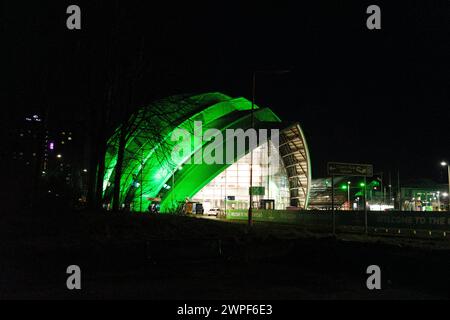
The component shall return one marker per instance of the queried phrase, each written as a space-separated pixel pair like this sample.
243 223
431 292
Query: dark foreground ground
171 257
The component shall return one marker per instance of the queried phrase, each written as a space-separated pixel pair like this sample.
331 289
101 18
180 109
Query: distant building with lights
424 195
43 161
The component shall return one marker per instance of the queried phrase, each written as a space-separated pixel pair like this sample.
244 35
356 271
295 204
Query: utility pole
445 163
399 196
366 227
390 188
142 177
173 187
448 193
226 196
250 206
268 169
332 205
348 195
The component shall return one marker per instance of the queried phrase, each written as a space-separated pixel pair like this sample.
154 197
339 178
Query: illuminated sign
349 169
257 191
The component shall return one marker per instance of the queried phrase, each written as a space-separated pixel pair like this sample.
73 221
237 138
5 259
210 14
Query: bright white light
59 156
445 194
382 207
84 170
443 163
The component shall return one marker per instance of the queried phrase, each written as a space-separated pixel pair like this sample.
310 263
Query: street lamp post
446 164
363 186
174 199
348 195
438 193
250 207
366 227
142 180
226 197
332 205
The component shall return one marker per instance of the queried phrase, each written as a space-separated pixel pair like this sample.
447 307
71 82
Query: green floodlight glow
362 184
147 156
344 187
375 183
162 172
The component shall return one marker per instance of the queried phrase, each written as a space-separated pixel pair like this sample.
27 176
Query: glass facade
230 189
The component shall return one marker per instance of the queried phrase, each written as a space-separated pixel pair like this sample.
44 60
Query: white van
212 212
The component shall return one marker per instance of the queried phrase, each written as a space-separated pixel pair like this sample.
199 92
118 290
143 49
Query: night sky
378 97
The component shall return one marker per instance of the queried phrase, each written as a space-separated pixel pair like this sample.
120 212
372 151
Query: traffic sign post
350 169
366 227
354 170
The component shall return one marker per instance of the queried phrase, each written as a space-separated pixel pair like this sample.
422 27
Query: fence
376 219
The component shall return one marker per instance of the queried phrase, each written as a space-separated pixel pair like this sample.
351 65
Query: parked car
213 212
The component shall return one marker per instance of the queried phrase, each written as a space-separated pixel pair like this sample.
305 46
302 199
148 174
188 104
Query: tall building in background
43 162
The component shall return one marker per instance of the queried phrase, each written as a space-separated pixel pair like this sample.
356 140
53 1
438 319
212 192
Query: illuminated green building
150 172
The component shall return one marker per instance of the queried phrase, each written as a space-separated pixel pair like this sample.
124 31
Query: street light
348 195
347 187
445 163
